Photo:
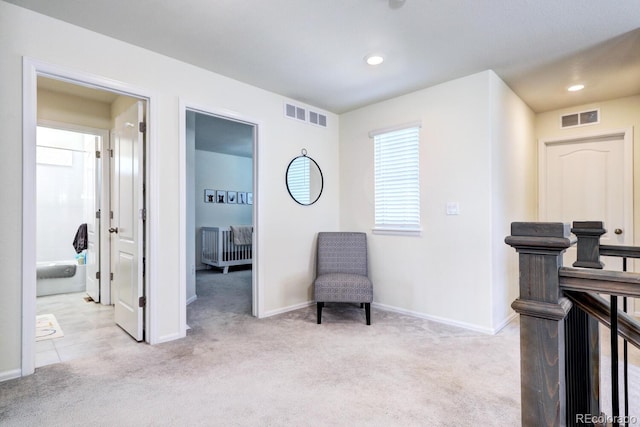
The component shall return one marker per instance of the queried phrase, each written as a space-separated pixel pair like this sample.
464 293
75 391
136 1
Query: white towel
242 234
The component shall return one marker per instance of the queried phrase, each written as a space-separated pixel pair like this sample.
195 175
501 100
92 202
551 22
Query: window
397 180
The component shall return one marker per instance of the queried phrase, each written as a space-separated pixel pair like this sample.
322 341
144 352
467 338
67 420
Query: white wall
286 230
64 108
447 273
60 207
514 189
215 171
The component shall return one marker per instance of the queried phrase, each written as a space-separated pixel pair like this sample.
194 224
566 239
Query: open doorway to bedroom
220 212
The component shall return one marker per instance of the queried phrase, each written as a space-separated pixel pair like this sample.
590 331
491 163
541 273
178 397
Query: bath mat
47 327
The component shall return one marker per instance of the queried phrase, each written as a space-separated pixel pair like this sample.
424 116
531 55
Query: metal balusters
625 355
615 400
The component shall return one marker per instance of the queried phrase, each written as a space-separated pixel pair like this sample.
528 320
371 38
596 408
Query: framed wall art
209 196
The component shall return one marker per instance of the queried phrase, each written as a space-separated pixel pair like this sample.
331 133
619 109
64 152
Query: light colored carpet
235 370
47 327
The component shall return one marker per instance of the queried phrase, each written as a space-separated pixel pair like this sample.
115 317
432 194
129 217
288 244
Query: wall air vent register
581 118
303 114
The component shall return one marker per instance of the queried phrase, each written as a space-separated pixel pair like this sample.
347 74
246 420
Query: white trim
464 325
257 304
385 307
397 231
375 132
10 375
513 316
29 125
167 338
182 237
152 206
31 68
288 309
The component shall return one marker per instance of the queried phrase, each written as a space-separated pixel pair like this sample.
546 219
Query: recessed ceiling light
575 88
374 59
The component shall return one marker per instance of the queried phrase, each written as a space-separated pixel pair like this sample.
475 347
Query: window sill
398 231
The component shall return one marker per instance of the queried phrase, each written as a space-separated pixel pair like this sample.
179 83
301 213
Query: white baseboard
10 375
192 299
443 320
169 337
505 322
287 309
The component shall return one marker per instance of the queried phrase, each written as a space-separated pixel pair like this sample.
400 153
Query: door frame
626 135
31 69
187 178
105 173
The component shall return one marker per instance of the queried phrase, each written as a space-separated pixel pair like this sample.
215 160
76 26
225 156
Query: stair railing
559 313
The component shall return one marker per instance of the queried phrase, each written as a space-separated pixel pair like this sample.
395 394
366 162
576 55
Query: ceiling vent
582 118
303 114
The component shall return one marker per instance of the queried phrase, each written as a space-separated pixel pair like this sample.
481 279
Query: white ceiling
312 51
222 135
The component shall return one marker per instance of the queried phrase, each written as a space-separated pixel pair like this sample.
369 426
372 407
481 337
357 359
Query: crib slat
219 250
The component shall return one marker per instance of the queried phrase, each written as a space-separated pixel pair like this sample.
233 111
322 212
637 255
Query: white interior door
589 179
91 194
127 225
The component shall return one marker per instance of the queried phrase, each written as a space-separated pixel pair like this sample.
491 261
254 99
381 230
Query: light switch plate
453 208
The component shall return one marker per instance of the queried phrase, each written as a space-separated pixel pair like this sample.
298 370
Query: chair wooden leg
367 310
320 305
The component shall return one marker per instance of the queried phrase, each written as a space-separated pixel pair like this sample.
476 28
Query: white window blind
397 179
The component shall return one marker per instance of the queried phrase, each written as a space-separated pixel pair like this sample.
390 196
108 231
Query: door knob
618 231
113 230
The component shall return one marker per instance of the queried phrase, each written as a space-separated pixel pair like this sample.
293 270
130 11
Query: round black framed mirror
304 179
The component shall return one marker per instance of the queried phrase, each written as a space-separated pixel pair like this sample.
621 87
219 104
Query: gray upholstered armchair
342 274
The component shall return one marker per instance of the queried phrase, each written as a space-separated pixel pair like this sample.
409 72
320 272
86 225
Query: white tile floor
89 328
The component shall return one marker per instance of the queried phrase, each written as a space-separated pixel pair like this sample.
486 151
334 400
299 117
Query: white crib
218 249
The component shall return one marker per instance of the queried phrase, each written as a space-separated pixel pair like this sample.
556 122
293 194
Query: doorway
99 161
68 196
221 192
590 179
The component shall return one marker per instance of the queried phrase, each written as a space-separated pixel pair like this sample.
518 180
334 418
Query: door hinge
97 154
97 275
111 276
143 214
142 126
111 215
111 153
97 214
142 302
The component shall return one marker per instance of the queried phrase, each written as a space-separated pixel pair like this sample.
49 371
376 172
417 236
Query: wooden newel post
588 234
542 310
